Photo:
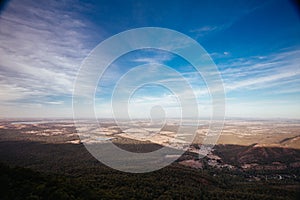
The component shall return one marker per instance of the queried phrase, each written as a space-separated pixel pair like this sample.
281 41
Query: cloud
258 73
261 81
11 92
268 75
205 30
55 102
43 43
157 59
41 48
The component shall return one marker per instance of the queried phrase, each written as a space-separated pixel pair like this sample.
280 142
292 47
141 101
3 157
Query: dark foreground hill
33 170
261 156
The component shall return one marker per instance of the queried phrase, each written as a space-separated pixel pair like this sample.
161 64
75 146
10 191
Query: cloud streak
258 73
41 48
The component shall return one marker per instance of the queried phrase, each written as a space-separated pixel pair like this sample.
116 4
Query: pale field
266 133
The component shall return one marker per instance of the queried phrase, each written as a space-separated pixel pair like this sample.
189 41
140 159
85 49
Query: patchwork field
252 160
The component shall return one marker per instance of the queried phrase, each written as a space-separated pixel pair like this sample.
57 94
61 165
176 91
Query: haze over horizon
255 45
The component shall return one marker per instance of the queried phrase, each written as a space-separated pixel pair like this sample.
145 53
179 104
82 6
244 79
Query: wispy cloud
208 30
41 48
43 43
261 81
262 72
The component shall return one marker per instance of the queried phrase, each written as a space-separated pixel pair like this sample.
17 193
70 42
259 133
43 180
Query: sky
254 44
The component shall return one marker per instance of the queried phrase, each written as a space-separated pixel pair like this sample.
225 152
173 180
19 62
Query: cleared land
252 160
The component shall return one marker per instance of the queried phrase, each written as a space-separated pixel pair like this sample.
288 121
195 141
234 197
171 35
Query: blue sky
255 45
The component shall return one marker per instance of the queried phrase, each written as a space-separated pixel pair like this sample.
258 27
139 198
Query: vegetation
65 171
170 183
